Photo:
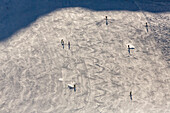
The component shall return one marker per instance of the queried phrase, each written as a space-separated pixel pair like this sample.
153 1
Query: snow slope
35 70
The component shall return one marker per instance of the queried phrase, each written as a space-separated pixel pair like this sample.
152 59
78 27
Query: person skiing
130 95
146 26
74 87
129 49
69 44
62 43
106 21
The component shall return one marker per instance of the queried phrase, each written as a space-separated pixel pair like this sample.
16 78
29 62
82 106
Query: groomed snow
35 70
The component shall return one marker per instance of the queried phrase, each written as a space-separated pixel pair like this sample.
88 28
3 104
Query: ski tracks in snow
98 62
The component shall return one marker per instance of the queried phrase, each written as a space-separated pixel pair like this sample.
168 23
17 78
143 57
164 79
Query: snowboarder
106 21
130 95
69 44
62 43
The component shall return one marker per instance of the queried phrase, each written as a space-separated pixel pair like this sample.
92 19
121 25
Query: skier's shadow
129 48
103 21
146 28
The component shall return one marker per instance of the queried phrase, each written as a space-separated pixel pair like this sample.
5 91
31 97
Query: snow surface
35 70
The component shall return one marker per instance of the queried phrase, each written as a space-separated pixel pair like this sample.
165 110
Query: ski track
33 60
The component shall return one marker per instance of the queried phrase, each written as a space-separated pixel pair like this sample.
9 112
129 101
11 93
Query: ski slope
35 70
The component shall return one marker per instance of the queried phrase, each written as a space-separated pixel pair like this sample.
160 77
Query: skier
74 87
69 45
62 43
129 49
146 26
130 95
106 21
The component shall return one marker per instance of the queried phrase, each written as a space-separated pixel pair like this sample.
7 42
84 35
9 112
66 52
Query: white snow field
35 70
